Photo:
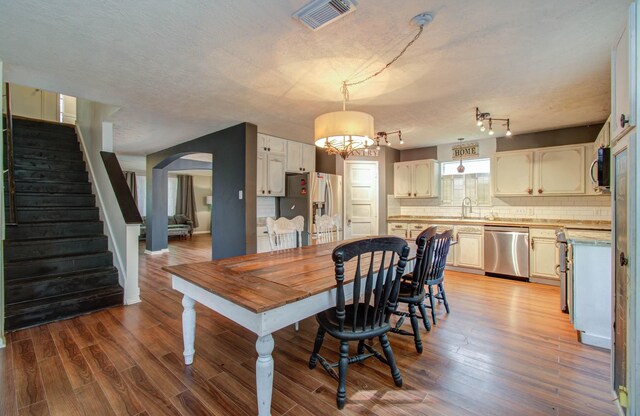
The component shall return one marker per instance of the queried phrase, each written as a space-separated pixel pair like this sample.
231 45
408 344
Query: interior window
473 183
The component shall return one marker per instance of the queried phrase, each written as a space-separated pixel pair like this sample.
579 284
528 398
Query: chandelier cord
346 84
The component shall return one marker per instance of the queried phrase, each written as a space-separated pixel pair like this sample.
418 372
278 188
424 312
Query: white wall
96 134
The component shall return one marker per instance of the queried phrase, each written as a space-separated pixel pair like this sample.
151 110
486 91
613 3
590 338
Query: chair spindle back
382 279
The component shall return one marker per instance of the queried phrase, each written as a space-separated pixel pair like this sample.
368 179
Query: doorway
361 199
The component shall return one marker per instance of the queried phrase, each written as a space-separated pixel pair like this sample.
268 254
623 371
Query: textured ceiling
181 70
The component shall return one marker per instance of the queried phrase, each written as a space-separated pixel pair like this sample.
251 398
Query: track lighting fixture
384 135
482 117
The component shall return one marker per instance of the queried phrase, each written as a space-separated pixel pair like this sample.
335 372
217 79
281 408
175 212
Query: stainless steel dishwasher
506 251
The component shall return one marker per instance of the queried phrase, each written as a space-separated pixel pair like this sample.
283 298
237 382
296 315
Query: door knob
623 260
623 120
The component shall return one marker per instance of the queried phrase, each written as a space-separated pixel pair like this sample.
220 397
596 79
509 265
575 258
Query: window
473 183
172 194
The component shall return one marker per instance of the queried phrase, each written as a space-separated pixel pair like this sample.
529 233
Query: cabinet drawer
463 229
542 233
397 226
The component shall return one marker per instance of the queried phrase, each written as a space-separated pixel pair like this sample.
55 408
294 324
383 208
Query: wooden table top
264 281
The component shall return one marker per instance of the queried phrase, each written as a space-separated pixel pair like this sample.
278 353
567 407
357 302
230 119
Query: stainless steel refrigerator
311 195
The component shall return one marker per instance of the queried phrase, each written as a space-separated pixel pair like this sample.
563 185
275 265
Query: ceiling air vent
320 13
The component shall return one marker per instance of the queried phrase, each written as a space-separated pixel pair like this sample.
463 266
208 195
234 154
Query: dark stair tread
61 257
13 309
96 271
51 240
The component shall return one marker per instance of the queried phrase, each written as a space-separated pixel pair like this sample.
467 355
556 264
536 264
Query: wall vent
320 13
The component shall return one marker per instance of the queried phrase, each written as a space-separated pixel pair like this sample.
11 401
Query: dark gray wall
324 162
418 154
559 137
233 220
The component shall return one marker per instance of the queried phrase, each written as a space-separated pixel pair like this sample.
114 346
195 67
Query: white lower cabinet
416 229
262 245
470 247
398 229
543 254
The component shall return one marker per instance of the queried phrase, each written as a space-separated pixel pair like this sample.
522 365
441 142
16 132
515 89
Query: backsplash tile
592 208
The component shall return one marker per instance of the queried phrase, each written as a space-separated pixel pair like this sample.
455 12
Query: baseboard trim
156 252
595 340
202 232
132 301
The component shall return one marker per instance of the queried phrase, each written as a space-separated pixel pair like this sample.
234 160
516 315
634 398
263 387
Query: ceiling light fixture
346 132
481 118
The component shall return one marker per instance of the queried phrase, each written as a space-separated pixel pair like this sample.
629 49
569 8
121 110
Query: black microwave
601 175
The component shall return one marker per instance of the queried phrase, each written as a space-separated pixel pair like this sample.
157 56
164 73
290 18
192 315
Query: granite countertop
509 222
589 237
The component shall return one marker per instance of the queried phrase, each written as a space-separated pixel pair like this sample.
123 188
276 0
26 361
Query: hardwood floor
505 349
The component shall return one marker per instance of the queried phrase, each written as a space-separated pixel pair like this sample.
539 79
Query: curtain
130 177
186 200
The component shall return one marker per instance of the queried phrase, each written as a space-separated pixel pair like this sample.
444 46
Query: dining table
262 292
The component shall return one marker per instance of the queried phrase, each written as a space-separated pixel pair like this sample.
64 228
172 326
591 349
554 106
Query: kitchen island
262 292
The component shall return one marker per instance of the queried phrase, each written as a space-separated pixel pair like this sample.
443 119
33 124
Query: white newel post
264 374
188 328
131 286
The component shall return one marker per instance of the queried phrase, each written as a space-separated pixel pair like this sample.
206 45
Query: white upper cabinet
512 173
416 179
623 79
561 170
402 180
308 158
271 144
270 174
275 175
300 157
558 170
422 179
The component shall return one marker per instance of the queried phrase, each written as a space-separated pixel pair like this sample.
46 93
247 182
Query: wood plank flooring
505 349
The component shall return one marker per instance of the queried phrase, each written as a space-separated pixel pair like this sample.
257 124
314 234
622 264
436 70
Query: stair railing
10 171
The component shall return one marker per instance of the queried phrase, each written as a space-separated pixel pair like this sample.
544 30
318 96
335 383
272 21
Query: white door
422 179
402 187
512 173
561 171
361 199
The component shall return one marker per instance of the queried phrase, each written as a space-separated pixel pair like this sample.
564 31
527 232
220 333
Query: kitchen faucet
466 198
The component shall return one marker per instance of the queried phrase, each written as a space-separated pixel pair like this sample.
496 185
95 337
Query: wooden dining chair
430 260
435 277
285 233
374 263
326 229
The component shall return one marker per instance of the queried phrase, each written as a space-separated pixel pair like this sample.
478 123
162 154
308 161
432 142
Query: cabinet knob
409 194
264 148
530 191
268 149
269 191
623 120
263 191
539 191
304 169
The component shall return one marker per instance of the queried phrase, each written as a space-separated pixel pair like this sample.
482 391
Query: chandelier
482 118
346 132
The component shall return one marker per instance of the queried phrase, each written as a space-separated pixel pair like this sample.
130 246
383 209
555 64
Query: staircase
57 264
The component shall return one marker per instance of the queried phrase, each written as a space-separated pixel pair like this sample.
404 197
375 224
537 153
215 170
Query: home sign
465 151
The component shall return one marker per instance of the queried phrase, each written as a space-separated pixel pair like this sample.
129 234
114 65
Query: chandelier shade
343 132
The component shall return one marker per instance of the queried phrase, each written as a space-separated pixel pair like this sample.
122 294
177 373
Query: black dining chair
373 297
435 276
412 289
